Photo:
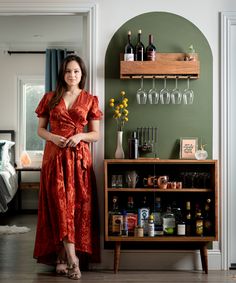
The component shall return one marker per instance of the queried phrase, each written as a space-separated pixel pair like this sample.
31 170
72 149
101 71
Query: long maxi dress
67 198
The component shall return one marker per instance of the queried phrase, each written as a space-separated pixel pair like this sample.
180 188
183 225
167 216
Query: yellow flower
120 111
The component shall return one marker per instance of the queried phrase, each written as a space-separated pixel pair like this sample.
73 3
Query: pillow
5 156
1 149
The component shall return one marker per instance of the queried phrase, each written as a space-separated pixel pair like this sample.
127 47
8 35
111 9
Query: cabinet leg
204 258
117 256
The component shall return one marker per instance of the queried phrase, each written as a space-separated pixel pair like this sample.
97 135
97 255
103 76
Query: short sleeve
42 109
95 113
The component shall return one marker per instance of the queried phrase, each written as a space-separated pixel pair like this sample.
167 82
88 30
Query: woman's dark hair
61 86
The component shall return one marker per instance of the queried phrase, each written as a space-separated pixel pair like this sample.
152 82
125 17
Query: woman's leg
72 261
61 264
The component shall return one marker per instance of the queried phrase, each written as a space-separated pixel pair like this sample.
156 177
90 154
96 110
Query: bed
8 175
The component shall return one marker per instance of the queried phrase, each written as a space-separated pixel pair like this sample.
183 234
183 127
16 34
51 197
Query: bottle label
128 57
151 55
181 229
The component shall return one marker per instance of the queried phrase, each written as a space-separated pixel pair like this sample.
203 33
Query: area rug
13 229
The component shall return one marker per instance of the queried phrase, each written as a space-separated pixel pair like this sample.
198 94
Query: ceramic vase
119 153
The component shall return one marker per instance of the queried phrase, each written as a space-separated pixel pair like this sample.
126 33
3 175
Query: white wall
111 15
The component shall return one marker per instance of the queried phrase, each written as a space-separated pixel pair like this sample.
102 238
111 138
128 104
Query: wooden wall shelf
167 65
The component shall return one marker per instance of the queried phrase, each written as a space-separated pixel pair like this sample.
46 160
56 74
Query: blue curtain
54 57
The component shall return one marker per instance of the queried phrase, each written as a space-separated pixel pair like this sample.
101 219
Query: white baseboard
160 260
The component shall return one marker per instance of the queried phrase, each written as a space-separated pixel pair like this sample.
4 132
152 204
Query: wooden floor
18 266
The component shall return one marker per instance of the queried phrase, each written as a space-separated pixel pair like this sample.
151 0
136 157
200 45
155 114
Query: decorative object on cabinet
190 55
147 137
119 153
201 154
180 204
188 148
166 65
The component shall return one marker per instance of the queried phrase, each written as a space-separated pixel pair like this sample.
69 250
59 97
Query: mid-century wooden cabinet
199 182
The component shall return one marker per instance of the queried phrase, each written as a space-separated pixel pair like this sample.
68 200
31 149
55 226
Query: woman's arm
91 136
46 135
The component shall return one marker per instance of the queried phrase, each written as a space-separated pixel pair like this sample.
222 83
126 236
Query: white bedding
8 186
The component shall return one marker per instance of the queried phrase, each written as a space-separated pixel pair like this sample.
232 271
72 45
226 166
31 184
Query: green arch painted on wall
172 33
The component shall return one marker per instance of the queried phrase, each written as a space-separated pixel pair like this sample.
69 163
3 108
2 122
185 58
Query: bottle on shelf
132 216
139 48
129 49
199 223
151 228
124 229
143 215
133 146
188 219
207 218
151 50
169 222
115 218
158 217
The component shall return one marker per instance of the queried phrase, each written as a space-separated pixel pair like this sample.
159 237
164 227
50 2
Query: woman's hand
59 140
73 140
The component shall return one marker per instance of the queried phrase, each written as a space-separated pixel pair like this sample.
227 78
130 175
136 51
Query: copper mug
162 182
150 181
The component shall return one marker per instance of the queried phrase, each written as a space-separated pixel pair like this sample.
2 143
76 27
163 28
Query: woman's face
73 74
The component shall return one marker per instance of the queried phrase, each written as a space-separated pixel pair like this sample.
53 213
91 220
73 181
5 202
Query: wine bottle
139 48
151 50
129 49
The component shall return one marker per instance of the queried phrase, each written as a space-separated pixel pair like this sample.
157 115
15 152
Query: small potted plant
191 54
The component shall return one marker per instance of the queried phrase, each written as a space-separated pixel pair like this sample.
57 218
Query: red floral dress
67 199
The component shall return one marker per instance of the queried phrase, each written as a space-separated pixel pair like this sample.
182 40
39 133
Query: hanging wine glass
141 94
176 95
165 94
153 94
188 94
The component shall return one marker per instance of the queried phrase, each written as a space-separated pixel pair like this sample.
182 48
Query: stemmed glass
188 94
165 94
153 94
141 94
176 94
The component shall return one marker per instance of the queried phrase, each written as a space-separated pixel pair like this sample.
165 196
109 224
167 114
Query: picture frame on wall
188 148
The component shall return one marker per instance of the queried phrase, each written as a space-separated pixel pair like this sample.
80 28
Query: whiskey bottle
115 218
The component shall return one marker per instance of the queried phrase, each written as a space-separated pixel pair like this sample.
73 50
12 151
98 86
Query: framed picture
188 148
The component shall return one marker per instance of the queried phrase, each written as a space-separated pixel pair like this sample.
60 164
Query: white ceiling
37 32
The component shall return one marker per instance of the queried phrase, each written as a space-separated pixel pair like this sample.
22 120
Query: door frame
228 19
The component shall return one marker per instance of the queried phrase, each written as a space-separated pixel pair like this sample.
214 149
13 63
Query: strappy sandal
74 271
61 267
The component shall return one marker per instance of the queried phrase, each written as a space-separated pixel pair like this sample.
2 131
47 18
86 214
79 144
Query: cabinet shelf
161 239
166 65
145 190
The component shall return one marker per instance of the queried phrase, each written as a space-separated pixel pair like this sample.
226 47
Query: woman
67 200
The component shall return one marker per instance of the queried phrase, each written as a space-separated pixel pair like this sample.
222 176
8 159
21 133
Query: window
30 90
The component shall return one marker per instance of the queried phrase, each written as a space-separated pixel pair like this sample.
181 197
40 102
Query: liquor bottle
207 218
115 218
188 219
143 215
168 221
124 229
129 49
151 50
151 229
132 216
158 217
133 146
199 223
139 48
